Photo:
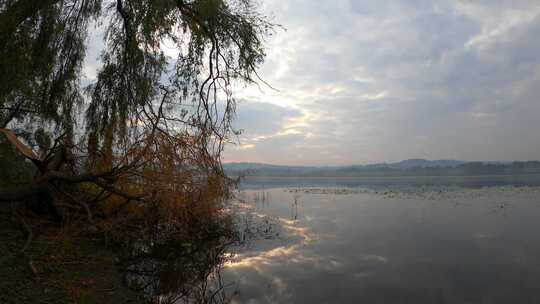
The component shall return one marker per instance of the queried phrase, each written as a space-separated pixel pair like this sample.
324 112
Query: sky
363 81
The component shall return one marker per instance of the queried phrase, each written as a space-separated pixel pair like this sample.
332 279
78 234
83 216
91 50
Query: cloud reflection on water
405 248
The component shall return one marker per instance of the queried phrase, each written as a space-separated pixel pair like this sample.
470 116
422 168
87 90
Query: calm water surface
421 246
253 182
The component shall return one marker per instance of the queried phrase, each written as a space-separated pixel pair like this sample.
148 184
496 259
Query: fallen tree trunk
19 193
39 196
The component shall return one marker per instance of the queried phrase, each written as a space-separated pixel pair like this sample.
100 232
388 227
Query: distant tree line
465 169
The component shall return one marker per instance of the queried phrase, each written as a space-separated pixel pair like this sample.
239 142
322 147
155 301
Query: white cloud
367 81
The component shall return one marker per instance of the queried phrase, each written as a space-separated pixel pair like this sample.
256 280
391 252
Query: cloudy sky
364 81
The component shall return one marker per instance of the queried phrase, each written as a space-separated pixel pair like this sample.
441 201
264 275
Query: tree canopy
145 112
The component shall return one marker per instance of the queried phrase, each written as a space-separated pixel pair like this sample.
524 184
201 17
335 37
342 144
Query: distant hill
416 162
247 166
411 163
409 167
404 164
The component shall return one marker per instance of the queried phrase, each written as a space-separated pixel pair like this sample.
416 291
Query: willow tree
150 126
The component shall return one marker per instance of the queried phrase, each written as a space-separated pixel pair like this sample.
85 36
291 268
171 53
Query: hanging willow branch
149 128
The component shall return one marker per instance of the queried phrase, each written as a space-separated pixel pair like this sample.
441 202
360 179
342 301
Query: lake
472 240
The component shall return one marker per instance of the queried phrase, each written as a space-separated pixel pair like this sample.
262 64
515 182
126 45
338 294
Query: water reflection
350 245
181 265
462 246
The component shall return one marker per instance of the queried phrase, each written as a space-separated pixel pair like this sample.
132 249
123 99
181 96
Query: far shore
537 175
